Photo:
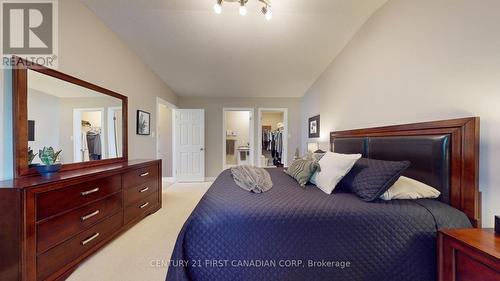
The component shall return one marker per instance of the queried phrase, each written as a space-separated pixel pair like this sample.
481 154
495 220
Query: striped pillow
301 170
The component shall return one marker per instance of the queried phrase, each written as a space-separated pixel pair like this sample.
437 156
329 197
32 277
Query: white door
190 144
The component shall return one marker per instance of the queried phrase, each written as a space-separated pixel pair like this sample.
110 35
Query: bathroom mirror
51 109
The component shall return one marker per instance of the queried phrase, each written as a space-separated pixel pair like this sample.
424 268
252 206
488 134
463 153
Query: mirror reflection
86 125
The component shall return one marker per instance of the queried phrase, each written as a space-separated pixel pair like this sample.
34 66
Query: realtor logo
29 30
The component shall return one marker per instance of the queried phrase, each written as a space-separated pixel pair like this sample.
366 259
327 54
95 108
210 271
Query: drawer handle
93 214
85 193
144 175
144 190
144 205
88 240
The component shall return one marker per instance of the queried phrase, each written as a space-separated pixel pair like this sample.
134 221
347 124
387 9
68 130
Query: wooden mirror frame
20 116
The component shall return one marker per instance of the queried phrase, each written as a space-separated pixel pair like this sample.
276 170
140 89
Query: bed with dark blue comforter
294 233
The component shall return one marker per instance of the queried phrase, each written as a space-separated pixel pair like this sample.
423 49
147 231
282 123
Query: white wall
165 135
45 110
417 61
91 51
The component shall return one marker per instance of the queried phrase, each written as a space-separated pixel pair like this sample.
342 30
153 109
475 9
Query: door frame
250 135
173 107
285 132
108 131
77 130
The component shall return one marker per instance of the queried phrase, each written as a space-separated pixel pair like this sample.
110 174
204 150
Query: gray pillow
370 178
302 170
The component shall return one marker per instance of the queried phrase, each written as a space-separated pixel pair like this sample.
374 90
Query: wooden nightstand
468 255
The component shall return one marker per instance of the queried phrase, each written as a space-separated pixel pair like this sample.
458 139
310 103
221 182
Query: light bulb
269 14
243 10
217 8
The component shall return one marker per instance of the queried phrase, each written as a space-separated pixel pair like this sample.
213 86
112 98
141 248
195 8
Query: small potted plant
31 156
49 158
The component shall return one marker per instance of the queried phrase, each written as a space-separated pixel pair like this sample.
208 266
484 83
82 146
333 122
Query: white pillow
334 166
406 188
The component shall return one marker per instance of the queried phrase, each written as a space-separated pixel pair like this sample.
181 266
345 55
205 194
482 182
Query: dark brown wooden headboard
463 156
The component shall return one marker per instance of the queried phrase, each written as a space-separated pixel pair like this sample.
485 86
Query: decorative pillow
370 178
334 166
315 156
301 170
406 188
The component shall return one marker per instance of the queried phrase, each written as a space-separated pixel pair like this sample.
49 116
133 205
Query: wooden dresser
468 255
48 225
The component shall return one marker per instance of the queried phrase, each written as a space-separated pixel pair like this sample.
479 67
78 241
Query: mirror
85 124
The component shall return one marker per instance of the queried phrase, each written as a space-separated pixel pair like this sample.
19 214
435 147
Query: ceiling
199 53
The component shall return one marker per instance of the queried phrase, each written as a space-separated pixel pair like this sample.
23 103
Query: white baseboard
168 179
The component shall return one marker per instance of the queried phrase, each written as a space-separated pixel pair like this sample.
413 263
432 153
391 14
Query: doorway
272 137
165 136
88 137
237 137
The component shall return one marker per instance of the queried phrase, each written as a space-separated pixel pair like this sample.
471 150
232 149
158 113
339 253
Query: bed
294 233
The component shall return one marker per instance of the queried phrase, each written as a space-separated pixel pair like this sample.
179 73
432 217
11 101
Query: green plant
48 156
31 156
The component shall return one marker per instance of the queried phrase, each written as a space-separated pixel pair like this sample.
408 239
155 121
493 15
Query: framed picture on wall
314 127
143 123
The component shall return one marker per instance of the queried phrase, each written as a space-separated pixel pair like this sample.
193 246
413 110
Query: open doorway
237 137
88 126
273 137
165 138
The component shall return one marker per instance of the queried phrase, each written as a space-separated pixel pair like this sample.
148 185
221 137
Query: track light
267 12
266 9
218 7
243 8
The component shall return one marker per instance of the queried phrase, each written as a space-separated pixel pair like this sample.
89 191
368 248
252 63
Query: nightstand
471 254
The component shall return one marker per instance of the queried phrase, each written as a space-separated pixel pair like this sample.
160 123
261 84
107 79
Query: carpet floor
138 254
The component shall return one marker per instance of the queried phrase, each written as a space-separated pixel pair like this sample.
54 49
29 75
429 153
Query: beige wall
238 122
417 61
213 123
272 119
91 51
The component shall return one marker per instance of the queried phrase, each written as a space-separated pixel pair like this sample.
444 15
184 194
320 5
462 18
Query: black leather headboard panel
429 156
351 146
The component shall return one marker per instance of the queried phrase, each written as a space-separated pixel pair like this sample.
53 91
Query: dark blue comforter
292 233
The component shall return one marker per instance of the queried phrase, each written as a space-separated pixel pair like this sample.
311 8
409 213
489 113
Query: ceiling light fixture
243 8
266 10
218 7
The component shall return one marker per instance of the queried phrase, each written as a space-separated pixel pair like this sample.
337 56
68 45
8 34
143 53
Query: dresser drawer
53 202
140 176
134 194
60 228
68 251
470 269
141 208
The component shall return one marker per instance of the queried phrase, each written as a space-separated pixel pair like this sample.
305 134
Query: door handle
201 149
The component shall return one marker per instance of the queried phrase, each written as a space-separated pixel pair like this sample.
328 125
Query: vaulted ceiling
200 53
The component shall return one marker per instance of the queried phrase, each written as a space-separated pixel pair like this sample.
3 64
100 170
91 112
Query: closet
272 132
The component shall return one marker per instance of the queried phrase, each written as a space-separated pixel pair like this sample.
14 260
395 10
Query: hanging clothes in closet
94 145
277 147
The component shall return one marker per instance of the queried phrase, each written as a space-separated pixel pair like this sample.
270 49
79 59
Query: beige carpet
130 256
